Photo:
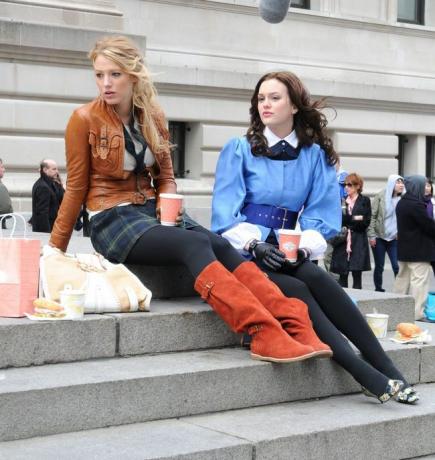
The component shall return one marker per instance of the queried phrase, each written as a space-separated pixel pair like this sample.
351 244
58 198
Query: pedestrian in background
382 231
47 195
415 243
352 255
341 179
430 202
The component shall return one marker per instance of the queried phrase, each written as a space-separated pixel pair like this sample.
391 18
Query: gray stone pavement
388 279
367 281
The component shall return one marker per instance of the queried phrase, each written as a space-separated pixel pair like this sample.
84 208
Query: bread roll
408 330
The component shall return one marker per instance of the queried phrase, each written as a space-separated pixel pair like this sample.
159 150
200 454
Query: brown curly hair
309 122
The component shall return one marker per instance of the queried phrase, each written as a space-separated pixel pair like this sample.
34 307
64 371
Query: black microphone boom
274 11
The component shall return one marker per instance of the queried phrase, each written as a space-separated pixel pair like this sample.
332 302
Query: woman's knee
221 245
311 274
291 287
199 241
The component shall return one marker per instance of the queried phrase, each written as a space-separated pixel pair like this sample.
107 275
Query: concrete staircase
174 384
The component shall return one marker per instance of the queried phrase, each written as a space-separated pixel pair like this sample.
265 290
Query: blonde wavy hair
124 53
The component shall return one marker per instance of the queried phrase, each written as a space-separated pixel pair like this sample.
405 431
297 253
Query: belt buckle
284 219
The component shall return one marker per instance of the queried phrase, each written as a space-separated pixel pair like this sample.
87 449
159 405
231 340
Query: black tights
331 310
333 313
357 280
195 248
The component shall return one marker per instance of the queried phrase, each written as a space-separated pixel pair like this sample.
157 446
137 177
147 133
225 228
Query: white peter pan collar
273 139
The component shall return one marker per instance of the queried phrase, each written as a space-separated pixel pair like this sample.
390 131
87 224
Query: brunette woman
280 172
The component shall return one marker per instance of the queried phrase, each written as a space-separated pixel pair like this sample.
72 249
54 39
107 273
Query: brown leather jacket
95 152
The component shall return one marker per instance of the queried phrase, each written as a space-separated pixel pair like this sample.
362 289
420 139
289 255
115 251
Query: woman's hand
268 254
178 221
372 242
180 218
303 255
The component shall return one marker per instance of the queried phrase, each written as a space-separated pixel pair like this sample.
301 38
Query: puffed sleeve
229 189
322 209
78 170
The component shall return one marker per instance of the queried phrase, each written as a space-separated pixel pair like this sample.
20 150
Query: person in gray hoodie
382 231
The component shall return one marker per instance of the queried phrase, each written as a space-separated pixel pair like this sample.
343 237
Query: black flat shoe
407 396
393 388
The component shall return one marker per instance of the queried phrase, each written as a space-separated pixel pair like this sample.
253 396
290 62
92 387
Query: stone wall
206 56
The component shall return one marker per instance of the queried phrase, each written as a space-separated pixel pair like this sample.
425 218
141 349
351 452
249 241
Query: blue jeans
382 247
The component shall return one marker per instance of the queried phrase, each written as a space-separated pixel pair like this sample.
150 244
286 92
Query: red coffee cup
170 205
289 243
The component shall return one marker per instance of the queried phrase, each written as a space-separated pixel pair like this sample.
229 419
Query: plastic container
378 323
429 311
72 300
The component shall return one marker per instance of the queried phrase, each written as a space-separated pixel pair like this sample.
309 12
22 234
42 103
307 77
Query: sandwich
45 308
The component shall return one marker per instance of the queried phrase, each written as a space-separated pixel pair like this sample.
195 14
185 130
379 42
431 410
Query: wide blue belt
270 216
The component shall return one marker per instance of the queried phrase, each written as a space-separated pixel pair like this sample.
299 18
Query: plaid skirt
115 231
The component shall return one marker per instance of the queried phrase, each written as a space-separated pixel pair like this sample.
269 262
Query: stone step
172 325
56 398
341 427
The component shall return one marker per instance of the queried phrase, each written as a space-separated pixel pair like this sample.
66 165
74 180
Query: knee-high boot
292 313
238 307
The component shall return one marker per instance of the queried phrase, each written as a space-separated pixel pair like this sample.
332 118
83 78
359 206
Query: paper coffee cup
378 323
289 243
170 205
73 300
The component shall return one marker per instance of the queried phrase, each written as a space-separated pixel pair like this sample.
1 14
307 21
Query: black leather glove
303 255
267 254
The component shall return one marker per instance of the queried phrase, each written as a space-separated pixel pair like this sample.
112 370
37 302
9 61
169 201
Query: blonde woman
118 164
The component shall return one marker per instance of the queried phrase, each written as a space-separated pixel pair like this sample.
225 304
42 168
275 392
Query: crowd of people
284 172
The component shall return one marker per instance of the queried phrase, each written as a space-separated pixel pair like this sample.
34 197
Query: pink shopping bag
19 274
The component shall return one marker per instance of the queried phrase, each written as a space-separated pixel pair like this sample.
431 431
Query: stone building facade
377 71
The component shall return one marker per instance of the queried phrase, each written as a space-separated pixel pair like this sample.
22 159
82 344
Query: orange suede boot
290 312
236 305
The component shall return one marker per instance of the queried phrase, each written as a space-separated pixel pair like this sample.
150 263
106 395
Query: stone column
415 155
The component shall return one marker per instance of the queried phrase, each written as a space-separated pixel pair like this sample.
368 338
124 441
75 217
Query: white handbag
108 287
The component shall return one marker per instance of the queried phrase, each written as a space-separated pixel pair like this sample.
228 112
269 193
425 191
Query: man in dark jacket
47 195
415 243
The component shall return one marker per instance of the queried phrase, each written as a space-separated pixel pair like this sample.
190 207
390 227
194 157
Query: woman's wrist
250 245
